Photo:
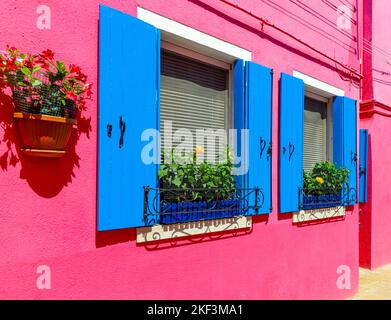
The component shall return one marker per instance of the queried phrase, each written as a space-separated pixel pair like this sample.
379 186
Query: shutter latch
354 157
270 149
262 145
122 127
291 150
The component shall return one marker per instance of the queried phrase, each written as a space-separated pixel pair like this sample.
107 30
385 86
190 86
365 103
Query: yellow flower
199 150
320 180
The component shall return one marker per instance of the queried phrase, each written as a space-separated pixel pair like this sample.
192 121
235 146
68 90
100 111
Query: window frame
187 38
196 41
202 58
320 89
329 121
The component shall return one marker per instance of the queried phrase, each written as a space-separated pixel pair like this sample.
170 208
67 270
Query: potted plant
193 190
47 96
323 186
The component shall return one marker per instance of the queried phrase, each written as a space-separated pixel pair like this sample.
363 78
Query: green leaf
36 69
176 182
36 82
26 71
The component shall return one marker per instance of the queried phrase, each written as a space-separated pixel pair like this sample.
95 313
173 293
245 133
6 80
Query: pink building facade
375 114
49 213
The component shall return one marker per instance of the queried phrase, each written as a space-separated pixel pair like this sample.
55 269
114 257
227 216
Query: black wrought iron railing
169 206
326 197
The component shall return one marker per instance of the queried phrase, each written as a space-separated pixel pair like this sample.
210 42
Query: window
317 131
194 96
196 79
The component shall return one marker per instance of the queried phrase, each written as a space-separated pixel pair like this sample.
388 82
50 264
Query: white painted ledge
179 230
318 214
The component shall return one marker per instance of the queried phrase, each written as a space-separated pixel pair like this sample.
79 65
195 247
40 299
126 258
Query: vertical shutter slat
291 142
259 117
363 165
345 141
239 118
128 88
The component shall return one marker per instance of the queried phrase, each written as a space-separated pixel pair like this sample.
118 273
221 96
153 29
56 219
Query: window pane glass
315 132
193 96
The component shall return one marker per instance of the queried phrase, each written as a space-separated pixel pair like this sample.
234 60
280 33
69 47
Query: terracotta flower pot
43 135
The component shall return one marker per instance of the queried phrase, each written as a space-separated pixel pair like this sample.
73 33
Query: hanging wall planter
44 135
47 96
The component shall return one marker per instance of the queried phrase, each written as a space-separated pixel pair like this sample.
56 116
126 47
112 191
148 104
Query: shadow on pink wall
109 238
46 177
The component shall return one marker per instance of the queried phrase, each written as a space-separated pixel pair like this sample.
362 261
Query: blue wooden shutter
291 142
259 117
345 142
239 115
129 71
363 170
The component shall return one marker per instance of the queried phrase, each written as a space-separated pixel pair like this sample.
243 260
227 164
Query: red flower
28 64
88 89
11 64
74 69
45 66
71 95
81 77
38 60
48 54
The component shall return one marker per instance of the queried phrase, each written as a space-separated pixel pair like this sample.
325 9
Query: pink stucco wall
375 240
48 207
375 219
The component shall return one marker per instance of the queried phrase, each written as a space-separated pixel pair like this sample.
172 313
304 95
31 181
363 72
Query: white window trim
192 38
318 87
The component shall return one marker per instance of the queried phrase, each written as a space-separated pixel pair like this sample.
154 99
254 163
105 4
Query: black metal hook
270 150
122 128
291 150
353 157
262 144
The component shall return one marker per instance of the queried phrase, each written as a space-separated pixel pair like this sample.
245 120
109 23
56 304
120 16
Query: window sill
318 214
163 232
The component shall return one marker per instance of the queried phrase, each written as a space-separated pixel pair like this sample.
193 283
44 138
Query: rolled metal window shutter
193 95
315 135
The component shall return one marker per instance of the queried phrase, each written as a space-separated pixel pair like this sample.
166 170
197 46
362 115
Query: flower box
201 210
321 201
